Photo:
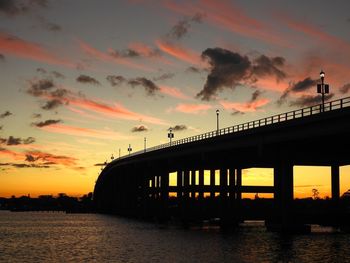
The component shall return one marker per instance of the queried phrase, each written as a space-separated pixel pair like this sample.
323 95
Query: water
60 237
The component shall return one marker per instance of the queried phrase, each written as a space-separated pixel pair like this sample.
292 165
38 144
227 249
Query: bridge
138 185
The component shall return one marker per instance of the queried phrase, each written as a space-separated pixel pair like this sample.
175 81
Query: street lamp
112 157
119 153
170 134
322 88
144 144
217 121
129 149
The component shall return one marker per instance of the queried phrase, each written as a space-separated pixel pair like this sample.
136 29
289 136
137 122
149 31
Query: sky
81 80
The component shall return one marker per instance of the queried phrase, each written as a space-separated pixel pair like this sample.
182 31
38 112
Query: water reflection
59 237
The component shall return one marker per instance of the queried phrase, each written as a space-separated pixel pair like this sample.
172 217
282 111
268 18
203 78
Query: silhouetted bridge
138 184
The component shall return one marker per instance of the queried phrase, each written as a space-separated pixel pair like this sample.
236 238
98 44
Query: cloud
52 104
87 80
1 127
299 86
140 128
192 69
115 80
85 132
5 114
345 88
192 108
24 165
2 57
45 123
179 52
36 116
164 76
14 8
54 73
110 57
180 127
39 87
181 28
230 69
250 106
150 87
16 141
51 158
17 47
173 92
308 100
49 25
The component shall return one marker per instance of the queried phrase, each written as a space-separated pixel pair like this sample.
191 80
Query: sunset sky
81 79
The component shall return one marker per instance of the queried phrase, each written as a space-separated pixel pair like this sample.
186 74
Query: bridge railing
291 115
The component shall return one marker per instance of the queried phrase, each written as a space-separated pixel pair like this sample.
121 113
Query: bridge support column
238 184
164 212
179 191
335 183
224 218
193 184
186 199
212 184
201 184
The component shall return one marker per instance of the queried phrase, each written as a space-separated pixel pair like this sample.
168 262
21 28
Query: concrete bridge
138 185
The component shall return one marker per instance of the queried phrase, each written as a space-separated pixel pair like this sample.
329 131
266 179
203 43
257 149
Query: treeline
62 202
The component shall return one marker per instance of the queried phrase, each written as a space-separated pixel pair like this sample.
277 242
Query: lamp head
322 74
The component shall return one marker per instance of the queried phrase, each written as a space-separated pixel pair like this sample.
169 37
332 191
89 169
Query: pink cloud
173 92
15 46
192 108
85 132
181 53
108 57
230 17
245 106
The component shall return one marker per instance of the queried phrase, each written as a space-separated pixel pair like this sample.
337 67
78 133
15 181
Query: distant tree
315 194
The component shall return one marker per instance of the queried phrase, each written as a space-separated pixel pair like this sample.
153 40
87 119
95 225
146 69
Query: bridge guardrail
291 115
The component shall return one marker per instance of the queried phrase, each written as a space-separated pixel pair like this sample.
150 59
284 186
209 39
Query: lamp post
322 88
129 149
119 153
170 134
112 157
144 141
217 122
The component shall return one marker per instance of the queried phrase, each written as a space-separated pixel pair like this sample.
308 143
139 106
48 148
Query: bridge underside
139 186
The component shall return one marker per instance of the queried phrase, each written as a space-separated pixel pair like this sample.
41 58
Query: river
60 237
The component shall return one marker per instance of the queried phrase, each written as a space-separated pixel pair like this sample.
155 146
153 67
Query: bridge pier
335 182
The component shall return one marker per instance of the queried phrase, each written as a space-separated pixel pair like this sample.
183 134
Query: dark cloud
164 76
345 88
49 25
30 158
307 100
41 70
5 114
25 165
99 164
237 112
182 27
179 127
1 127
230 69
2 57
265 66
299 86
57 74
133 53
140 128
16 141
87 80
115 80
52 104
36 116
256 94
45 123
150 87
17 7
39 87
193 69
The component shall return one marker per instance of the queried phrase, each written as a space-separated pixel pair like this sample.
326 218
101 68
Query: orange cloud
115 111
173 92
179 52
246 106
15 46
192 108
52 158
230 17
85 132
106 57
